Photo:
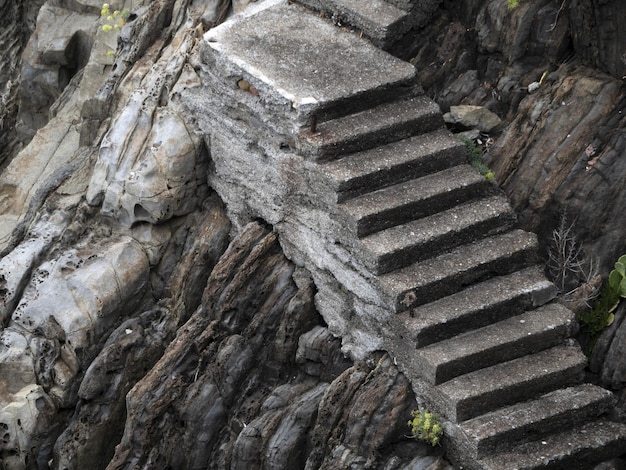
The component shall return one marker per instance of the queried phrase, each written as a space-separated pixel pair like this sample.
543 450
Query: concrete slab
388 122
522 422
290 54
446 274
479 305
524 334
379 20
417 240
576 447
484 390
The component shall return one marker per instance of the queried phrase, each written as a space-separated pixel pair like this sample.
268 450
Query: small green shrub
513 4
601 315
113 21
426 426
475 158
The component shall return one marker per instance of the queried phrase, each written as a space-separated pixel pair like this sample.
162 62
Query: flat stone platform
286 52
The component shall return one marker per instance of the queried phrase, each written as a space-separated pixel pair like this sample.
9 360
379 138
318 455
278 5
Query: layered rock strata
327 174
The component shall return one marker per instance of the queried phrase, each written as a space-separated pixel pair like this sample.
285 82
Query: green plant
513 4
601 315
113 21
475 158
426 426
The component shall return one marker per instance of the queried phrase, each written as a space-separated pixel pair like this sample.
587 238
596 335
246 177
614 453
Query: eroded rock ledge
118 297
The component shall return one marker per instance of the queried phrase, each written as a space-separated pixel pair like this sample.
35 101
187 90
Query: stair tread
365 170
520 379
293 73
505 340
379 20
422 238
387 122
544 414
474 258
379 13
576 448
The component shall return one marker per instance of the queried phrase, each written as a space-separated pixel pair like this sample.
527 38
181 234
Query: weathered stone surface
90 439
473 117
609 355
567 159
189 410
603 46
59 47
155 171
291 73
86 298
294 392
17 23
185 261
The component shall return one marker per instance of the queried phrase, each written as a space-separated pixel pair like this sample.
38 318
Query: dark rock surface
253 379
129 341
561 152
17 23
553 71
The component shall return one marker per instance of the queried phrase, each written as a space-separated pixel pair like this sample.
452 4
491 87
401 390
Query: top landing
292 56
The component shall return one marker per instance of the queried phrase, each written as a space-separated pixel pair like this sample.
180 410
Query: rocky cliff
144 329
554 72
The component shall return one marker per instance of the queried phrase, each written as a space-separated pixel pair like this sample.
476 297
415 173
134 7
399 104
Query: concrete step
471 395
509 339
382 166
388 122
380 21
450 272
280 81
406 5
476 306
414 199
577 447
527 421
402 245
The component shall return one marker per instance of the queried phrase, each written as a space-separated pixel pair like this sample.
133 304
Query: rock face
17 24
560 153
556 80
141 328
117 350
253 379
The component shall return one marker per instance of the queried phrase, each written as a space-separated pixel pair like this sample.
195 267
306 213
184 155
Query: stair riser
360 141
470 408
414 210
502 353
514 437
453 284
367 100
435 162
430 248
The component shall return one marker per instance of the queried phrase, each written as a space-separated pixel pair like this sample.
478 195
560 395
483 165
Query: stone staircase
474 326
